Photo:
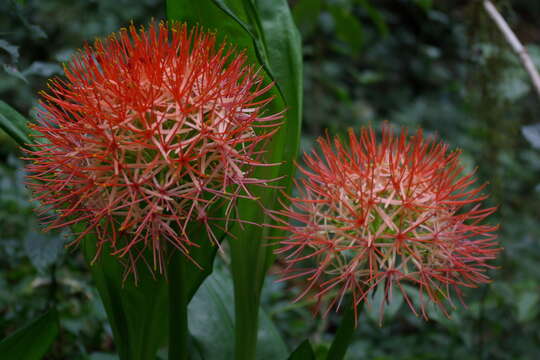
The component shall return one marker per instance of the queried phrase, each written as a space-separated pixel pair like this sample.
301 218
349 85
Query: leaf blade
212 308
138 313
304 351
34 340
135 313
14 124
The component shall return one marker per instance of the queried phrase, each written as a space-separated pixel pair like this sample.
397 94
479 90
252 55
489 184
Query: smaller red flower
151 134
395 213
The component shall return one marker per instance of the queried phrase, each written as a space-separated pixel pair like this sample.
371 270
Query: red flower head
151 130
396 213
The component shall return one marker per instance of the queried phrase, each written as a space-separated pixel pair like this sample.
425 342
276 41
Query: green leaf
348 28
266 31
221 4
43 249
13 71
284 48
527 306
12 50
390 307
215 15
251 254
44 69
139 312
306 14
345 331
14 124
204 256
213 308
532 134
513 85
303 352
33 341
375 16
426 5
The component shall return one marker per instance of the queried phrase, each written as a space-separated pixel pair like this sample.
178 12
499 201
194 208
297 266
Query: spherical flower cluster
396 213
151 130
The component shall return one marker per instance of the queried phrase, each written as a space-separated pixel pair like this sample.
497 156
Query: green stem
245 346
344 335
178 317
248 270
246 305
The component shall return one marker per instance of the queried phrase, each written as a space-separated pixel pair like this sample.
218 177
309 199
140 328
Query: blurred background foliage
440 65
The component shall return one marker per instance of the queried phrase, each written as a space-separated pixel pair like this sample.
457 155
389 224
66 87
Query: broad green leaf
303 352
221 4
230 21
250 252
14 124
213 308
265 30
212 16
204 256
33 341
284 48
139 312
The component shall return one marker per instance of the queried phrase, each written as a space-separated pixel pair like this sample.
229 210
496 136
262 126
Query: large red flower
396 213
150 131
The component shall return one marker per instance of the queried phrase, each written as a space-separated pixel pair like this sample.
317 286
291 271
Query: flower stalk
178 309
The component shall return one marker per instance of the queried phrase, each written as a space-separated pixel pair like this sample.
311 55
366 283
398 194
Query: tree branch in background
514 42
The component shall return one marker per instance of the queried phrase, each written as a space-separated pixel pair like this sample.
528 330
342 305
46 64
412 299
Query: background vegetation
440 65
